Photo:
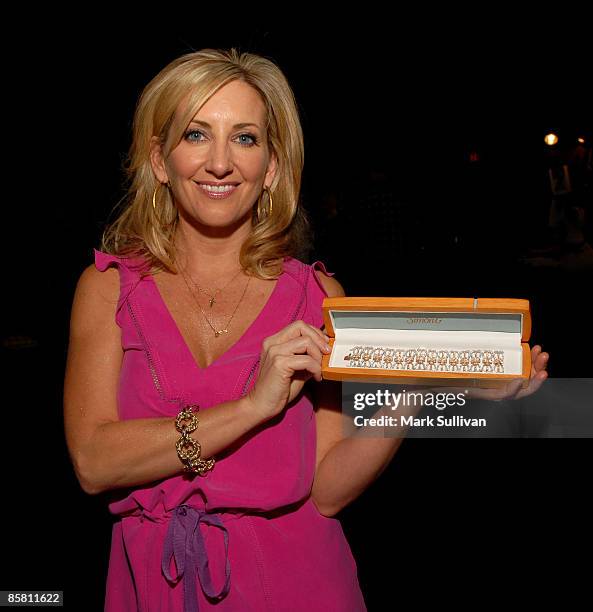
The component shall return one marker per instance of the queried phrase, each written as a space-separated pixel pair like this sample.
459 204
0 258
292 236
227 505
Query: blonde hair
140 230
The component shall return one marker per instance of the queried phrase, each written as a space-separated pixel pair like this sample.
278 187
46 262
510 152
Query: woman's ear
157 161
272 168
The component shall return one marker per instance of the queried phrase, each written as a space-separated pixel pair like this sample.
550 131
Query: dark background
426 174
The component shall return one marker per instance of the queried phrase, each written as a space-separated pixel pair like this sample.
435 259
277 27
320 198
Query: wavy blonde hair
142 231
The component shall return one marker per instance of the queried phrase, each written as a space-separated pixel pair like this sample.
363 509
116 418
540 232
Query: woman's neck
202 253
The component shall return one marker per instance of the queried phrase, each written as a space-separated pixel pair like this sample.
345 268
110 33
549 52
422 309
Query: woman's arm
345 466
108 453
346 463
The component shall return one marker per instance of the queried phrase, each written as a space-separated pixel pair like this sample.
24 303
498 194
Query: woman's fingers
293 364
309 364
539 359
512 389
300 345
535 383
300 328
298 331
496 394
541 362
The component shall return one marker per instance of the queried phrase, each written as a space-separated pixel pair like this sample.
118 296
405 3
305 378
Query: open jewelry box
477 342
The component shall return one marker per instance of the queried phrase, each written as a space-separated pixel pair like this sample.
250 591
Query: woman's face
217 149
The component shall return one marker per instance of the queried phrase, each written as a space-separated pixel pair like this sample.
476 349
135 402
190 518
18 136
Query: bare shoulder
96 297
104 284
332 287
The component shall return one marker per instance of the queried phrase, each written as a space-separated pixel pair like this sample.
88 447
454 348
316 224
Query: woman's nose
219 159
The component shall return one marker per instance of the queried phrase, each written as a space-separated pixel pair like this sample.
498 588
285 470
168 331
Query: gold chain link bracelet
188 449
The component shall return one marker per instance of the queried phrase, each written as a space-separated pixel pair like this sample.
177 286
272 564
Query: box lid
518 311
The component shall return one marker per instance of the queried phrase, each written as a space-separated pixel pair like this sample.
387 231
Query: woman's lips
218 195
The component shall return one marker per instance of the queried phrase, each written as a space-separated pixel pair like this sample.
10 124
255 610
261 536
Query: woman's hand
288 359
513 390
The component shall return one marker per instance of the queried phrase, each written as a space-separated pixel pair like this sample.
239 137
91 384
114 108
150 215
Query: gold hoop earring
259 211
154 195
156 189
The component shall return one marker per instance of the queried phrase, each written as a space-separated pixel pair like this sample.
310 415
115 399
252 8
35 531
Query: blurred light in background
551 139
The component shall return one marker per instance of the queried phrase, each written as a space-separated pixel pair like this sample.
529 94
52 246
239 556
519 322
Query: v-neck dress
246 536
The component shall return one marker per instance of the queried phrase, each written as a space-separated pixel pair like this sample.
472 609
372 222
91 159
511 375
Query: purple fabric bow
185 543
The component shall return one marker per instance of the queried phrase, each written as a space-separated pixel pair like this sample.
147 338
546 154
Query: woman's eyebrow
237 125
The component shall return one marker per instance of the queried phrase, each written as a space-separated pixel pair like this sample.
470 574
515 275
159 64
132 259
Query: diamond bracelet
436 360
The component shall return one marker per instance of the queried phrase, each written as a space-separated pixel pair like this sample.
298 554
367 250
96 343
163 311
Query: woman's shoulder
99 278
109 280
330 285
95 297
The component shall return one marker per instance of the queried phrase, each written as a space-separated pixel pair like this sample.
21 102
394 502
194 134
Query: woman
192 338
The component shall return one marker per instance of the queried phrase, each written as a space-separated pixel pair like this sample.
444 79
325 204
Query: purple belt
184 542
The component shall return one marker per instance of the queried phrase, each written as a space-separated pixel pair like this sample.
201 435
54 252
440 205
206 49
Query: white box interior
430 330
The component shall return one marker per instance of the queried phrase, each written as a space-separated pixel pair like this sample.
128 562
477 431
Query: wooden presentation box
462 342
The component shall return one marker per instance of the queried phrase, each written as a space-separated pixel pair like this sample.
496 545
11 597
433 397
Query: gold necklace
225 330
210 295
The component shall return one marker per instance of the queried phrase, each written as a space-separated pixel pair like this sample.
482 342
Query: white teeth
218 188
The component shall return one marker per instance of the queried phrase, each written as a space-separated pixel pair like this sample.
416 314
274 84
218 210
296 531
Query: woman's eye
190 134
251 136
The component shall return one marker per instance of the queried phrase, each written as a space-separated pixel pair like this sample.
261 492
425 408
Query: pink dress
246 536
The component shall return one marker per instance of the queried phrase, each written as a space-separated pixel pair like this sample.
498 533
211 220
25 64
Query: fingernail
326 336
328 348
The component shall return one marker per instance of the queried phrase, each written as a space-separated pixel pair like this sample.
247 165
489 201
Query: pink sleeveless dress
246 536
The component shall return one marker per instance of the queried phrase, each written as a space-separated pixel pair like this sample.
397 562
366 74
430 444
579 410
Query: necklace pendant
211 302
220 332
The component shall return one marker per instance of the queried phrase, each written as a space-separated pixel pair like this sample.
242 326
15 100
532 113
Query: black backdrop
462 520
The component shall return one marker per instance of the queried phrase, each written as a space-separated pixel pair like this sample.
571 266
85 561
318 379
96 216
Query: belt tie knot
184 543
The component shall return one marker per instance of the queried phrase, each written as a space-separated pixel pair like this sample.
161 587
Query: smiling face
224 144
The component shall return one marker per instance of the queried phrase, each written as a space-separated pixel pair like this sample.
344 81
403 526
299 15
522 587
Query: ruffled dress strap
130 274
321 265
317 292
309 305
